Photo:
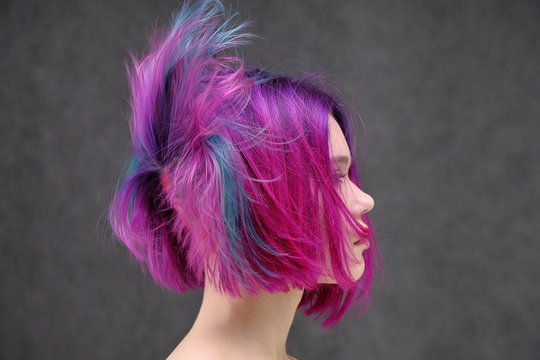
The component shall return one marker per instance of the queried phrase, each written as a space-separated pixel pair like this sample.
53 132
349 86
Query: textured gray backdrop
449 92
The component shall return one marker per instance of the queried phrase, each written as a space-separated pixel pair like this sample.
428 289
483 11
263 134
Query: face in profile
357 201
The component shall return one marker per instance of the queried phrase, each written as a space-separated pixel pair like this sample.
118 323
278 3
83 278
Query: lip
362 242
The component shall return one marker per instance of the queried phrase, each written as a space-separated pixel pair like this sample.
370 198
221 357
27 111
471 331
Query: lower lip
364 243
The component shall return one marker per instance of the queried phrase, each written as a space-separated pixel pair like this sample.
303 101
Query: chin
357 270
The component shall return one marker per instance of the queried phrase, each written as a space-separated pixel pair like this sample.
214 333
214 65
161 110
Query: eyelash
341 176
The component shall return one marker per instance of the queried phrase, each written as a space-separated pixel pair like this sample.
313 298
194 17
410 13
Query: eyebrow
342 159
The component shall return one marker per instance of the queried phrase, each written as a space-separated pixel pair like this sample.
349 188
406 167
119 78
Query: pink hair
229 168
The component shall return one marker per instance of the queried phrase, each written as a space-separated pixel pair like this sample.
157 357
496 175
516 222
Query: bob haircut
231 177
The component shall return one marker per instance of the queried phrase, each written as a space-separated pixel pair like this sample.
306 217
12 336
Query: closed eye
340 177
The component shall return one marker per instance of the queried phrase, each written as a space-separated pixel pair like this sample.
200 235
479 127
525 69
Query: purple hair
231 172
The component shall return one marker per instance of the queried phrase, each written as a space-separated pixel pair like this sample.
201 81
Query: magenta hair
230 164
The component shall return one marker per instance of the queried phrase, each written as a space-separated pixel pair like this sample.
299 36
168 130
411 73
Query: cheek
347 195
327 277
357 267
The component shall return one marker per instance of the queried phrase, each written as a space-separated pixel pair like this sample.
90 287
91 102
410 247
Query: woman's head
232 179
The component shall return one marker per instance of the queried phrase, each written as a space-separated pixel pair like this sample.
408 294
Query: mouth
362 242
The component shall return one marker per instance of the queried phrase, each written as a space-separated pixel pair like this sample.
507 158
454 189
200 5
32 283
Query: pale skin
257 326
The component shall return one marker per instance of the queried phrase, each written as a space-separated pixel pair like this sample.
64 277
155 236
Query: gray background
449 95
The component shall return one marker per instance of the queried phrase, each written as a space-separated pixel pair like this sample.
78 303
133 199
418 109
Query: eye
340 177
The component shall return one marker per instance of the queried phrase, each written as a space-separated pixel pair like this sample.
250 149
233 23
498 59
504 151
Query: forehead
338 143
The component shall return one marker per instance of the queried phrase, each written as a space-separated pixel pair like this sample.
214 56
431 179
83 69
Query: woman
242 183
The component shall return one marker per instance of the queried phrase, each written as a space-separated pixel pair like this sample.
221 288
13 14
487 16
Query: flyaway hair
231 180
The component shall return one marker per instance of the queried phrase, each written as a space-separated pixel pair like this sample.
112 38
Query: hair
231 172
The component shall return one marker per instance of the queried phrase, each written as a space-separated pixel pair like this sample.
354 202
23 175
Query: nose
368 202
362 202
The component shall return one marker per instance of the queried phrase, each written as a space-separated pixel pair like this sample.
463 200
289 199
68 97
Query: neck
256 323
